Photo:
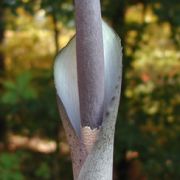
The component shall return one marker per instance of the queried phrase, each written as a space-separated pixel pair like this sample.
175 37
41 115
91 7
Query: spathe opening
65 74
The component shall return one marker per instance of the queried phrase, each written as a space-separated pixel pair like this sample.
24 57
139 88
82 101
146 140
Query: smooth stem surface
90 61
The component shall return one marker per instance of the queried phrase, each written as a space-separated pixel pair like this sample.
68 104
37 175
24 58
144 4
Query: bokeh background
32 140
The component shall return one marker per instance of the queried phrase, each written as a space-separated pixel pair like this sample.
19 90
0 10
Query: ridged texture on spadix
65 74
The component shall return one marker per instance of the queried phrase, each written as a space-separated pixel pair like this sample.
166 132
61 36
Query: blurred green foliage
10 167
147 133
18 91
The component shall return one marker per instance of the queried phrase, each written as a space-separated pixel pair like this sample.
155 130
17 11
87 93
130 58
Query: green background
32 140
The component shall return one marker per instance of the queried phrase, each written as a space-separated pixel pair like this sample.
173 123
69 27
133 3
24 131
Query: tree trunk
56 32
119 24
2 71
2 64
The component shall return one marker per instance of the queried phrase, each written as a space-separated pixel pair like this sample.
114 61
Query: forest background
32 140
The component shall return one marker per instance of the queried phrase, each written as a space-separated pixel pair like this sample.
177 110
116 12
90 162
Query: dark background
32 140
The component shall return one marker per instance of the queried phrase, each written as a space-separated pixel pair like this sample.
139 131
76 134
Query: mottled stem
90 61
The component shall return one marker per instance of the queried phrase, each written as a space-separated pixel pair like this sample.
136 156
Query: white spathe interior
65 74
